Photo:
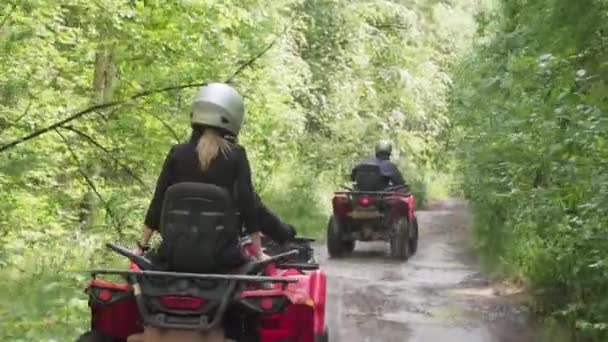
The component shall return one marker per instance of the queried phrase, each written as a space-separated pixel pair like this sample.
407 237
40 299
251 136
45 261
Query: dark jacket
387 169
231 172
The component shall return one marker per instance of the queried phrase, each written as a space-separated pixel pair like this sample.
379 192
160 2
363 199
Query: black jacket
387 169
231 172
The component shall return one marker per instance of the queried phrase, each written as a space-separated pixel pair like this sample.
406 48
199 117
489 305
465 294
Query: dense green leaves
340 75
530 106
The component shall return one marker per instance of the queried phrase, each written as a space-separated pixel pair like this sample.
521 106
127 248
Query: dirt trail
438 295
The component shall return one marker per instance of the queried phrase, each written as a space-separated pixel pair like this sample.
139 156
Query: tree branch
125 167
250 62
391 26
136 96
167 126
91 185
21 116
91 109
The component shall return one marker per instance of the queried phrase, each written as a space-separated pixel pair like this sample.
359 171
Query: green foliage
530 110
341 75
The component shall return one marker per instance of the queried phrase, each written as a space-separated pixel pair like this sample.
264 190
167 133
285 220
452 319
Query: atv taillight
104 295
365 201
266 303
182 303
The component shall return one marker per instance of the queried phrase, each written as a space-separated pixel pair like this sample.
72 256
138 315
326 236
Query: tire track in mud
438 295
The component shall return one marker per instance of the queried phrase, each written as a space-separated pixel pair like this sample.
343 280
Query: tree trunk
104 82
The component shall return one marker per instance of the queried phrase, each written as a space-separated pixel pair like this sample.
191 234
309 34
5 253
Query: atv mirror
139 260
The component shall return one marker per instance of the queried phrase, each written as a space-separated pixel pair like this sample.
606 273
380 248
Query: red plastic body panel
402 204
295 324
412 207
341 204
318 291
301 321
118 319
304 318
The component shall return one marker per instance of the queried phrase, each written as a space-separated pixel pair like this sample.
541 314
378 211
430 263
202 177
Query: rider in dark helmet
382 160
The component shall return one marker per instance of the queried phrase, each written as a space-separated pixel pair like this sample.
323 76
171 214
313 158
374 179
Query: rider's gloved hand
141 248
247 249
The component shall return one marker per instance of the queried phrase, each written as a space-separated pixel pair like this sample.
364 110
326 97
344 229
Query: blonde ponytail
210 145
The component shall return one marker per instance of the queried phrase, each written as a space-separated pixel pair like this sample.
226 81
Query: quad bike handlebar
390 189
139 260
257 266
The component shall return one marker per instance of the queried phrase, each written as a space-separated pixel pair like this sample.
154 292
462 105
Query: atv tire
94 336
324 337
414 237
400 242
336 246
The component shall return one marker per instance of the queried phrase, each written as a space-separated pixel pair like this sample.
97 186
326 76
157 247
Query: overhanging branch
93 142
136 96
91 185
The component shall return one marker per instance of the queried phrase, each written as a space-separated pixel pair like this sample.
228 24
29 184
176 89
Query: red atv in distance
373 212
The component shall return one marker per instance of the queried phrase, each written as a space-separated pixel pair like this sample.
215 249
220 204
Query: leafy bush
340 75
530 108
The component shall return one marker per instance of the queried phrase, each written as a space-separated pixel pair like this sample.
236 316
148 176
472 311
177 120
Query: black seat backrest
199 223
369 178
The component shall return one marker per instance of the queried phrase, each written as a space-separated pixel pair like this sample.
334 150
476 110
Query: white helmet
218 105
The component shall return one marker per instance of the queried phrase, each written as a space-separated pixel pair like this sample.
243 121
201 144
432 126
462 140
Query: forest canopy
530 106
504 100
337 76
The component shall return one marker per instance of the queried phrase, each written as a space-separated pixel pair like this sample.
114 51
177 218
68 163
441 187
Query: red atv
368 214
280 300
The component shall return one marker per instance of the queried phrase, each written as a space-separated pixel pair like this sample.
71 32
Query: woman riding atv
212 156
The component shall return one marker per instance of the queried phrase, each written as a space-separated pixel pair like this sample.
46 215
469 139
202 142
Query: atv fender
318 293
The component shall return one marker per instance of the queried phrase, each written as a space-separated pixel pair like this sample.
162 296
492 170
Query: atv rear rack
233 277
372 193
